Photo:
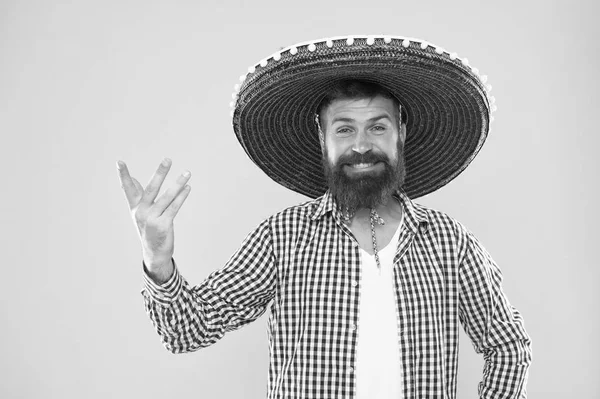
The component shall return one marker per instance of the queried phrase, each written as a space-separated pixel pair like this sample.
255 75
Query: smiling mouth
363 166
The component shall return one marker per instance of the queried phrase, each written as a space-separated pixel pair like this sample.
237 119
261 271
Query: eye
379 128
343 131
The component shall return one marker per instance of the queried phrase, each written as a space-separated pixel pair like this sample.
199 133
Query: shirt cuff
162 293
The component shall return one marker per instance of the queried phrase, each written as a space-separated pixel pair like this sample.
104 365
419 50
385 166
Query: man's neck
391 210
362 229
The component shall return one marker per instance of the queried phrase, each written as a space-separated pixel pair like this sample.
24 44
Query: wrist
162 288
159 270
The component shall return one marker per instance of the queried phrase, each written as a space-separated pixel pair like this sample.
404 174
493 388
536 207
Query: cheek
389 147
332 151
332 155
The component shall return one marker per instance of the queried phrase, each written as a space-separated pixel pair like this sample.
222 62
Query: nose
362 143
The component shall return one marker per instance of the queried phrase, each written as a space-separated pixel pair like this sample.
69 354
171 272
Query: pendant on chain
375 218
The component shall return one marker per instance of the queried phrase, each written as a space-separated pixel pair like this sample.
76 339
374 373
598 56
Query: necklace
374 219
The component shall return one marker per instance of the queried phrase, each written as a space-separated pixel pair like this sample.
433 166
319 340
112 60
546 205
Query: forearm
190 318
506 370
173 309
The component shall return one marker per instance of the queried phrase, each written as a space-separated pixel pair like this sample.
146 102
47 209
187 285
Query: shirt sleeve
495 327
189 318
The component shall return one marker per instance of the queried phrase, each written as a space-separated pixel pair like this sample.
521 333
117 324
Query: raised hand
154 219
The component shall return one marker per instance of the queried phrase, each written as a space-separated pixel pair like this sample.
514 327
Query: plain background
84 84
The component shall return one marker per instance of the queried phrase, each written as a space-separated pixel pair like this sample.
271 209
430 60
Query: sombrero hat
447 102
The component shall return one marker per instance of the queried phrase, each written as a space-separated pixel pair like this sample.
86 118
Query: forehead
360 108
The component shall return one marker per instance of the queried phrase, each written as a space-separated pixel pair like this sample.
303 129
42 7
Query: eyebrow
350 120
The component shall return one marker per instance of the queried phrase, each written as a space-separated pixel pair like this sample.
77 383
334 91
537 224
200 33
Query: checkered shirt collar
415 215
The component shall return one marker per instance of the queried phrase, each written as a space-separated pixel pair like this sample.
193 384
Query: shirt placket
407 236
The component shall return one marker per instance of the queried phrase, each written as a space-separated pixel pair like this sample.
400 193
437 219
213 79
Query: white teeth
362 165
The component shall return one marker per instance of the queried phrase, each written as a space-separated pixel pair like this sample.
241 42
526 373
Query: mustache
356 158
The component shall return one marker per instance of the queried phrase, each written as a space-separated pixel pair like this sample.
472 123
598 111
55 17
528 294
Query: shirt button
354 283
350 370
353 327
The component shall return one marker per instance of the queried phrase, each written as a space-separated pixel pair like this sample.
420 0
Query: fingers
133 191
170 202
170 195
137 184
176 204
153 187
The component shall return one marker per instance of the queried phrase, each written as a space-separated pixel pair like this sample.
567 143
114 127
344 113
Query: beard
364 189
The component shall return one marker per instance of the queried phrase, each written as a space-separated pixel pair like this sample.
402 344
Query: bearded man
366 288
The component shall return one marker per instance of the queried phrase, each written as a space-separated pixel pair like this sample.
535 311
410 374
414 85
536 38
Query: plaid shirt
305 263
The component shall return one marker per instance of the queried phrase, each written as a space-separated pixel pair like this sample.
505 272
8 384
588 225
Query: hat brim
446 104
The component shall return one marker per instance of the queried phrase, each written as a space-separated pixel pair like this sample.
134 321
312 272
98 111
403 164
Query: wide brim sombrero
447 104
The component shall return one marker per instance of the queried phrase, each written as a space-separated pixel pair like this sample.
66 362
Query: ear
321 135
402 132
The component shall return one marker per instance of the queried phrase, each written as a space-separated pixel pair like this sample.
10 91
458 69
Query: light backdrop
84 84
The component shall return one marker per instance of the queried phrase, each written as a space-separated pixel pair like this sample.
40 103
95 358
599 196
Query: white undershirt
378 369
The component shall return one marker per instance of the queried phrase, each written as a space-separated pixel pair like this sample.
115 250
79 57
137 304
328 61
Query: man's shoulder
298 212
439 221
